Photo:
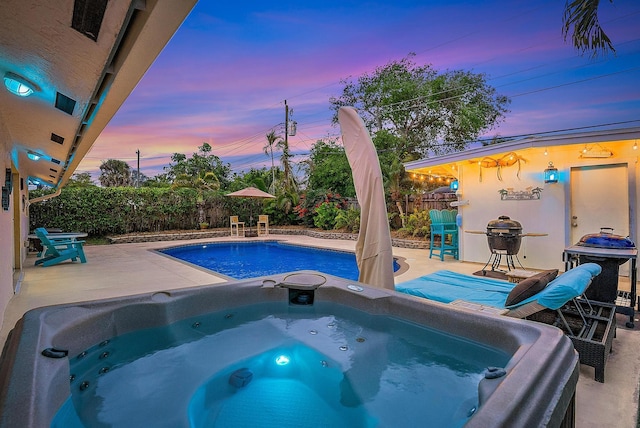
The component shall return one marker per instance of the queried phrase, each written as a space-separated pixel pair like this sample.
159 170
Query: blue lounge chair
58 250
592 327
449 287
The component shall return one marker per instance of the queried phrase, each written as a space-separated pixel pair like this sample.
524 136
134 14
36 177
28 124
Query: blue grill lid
606 239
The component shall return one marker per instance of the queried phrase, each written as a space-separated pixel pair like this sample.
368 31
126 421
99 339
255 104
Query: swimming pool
241 260
254 353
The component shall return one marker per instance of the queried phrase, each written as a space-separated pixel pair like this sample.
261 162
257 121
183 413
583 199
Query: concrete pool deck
128 269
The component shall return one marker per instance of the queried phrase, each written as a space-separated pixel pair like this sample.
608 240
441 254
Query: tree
115 173
257 178
138 181
81 179
198 165
272 140
288 183
204 181
328 169
160 180
429 111
581 20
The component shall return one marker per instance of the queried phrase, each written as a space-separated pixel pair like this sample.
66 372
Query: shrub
417 224
348 219
326 214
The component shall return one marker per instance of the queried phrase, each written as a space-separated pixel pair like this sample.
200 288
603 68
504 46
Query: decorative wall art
507 160
530 193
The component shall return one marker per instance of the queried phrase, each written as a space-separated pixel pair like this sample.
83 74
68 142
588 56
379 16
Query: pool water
271 364
241 260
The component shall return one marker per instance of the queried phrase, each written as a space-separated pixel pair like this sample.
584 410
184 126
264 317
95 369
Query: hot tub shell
538 390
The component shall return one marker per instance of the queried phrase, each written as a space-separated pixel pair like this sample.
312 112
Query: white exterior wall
6 227
550 214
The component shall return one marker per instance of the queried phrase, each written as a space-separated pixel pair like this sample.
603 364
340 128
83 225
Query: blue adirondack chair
58 250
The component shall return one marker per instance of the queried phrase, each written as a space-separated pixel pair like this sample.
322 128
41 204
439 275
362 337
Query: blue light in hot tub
282 360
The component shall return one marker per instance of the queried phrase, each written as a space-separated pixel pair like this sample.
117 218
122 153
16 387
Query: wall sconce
18 85
551 174
454 185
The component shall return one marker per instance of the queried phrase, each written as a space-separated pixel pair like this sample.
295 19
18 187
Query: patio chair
443 225
590 325
237 224
58 250
263 220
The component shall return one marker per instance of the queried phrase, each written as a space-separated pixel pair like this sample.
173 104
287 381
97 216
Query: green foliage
326 214
417 224
81 179
258 178
587 36
102 211
348 219
198 166
423 107
328 169
115 173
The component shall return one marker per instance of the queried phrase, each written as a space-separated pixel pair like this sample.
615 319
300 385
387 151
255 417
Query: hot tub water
326 365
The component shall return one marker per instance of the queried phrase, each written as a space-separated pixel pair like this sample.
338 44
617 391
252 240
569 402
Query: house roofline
591 137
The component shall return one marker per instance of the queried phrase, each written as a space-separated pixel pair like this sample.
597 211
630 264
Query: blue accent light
33 156
454 185
18 85
551 174
282 360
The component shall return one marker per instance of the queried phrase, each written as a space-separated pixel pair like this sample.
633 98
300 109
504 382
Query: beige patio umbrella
373 247
251 193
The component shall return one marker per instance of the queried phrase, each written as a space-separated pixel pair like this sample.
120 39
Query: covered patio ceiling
81 58
446 166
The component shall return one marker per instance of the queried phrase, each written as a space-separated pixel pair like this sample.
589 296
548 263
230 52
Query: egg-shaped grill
504 235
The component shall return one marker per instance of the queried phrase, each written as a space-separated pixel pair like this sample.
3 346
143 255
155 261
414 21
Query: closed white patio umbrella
373 247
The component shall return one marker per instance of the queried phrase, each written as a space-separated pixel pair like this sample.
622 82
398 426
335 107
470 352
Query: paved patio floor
127 269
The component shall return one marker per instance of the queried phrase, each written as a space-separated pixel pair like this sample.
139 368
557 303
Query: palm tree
272 139
582 16
201 182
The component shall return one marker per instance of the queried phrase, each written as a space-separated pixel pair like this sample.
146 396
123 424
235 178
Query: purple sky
224 76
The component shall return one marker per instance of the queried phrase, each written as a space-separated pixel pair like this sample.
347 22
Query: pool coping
223 233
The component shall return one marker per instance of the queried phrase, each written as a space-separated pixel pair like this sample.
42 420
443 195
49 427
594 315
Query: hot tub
282 351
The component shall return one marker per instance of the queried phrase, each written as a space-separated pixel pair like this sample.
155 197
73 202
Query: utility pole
286 124
138 175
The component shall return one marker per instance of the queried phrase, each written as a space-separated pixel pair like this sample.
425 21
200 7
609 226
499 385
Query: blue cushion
446 286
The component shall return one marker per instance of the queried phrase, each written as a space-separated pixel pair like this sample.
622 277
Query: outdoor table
71 236
570 259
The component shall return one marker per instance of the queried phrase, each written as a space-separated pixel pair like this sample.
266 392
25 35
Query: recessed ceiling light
33 156
18 85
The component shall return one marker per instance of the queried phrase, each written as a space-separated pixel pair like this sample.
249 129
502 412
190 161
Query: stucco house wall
480 198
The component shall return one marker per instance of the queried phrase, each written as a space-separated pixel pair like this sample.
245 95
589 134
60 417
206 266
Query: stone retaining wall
222 233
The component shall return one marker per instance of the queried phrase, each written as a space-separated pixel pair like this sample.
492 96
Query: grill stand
495 259
570 257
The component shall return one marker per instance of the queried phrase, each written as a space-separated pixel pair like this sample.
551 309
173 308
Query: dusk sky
224 76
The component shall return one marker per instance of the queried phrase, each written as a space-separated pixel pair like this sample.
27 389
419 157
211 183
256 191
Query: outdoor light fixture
18 85
33 156
551 174
454 185
635 145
